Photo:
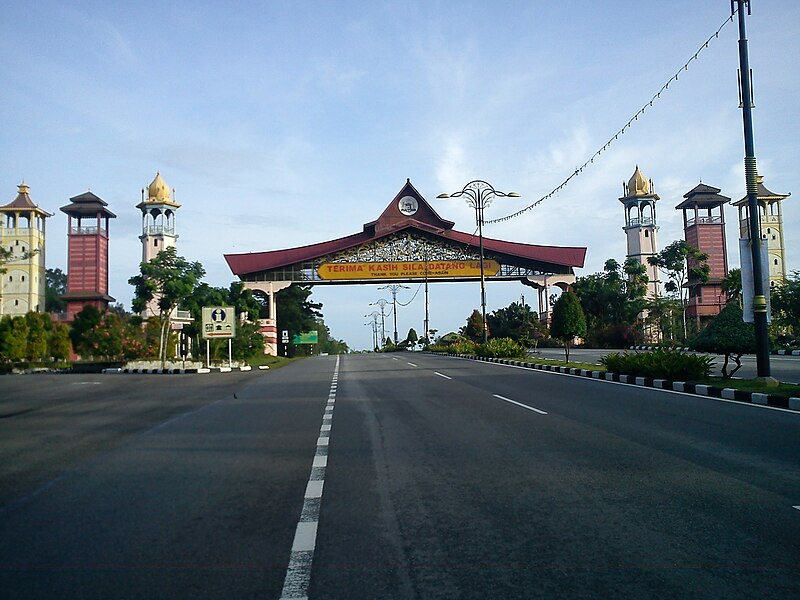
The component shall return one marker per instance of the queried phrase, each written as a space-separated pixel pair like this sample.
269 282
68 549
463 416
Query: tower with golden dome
640 227
158 208
22 236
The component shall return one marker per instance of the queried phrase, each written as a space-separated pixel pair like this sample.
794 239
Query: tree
412 337
13 338
473 330
685 267
39 325
785 301
727 334
168 279
568 321
55 286
732 285
296 313
612 302
58 343
516 321
83 323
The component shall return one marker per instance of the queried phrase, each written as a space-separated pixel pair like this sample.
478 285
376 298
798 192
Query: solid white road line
298 573
441 375
504 399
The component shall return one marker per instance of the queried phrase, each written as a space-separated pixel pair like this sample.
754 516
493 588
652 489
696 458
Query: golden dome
158 191
638 184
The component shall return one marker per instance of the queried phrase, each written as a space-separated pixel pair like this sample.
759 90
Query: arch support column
268 327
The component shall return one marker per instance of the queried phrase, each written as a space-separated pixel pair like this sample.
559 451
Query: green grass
273 362
746 385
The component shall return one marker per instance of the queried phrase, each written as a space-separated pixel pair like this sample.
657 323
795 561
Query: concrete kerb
664 384
176 371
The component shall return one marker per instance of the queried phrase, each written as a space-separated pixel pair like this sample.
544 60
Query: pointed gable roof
763 195
402 215
23 201
87 204
406 208
703 196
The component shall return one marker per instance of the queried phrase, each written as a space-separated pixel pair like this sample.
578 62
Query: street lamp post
751 182
374 315
394 287
382 303
479 194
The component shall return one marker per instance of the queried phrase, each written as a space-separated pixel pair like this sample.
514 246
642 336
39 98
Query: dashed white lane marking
797 507
441 375
298 573
504 399
411 364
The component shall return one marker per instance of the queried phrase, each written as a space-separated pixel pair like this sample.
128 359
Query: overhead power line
622 131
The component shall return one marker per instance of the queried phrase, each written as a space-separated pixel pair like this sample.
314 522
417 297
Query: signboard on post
219 322
309 337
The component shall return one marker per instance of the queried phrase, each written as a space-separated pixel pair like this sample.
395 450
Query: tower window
23 277
155 242
646 233
776 261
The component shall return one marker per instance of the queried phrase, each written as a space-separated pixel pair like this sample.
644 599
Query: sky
282 124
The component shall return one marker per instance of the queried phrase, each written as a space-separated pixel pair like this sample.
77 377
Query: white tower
22 234
158 218
640 225
158 226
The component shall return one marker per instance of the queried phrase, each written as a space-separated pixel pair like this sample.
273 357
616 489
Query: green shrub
501 348
462 346
663 363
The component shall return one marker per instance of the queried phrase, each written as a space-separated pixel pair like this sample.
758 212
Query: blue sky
289 123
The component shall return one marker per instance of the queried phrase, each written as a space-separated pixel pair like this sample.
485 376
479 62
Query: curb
773 352
175 371
662 384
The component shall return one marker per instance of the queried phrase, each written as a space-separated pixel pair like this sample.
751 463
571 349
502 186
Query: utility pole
751 181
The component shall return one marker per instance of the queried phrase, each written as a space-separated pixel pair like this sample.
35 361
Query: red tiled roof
392 221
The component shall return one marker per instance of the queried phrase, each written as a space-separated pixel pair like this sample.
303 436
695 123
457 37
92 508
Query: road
391 476
783 368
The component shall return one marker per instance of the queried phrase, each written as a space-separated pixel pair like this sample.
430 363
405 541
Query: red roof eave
254 262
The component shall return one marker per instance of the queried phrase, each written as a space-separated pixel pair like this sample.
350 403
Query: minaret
705 230
22 232
640 225
158 225
87 253
158 219
771 216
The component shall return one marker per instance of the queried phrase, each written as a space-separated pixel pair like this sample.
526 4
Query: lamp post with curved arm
479 194
382 303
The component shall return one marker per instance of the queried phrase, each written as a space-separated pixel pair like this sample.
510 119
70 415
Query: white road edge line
504 399
298 573
689 394
441 375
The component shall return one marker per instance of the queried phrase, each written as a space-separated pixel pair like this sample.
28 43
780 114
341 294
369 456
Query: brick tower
87 253
704 229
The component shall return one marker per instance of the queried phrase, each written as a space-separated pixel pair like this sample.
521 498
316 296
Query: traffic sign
219 322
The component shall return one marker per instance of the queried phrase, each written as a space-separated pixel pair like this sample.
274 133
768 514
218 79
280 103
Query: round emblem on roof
408 205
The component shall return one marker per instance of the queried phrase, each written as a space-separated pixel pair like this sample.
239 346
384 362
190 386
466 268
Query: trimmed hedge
663 363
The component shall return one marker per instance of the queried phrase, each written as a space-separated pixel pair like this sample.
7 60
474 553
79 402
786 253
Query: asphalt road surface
391 476
782 368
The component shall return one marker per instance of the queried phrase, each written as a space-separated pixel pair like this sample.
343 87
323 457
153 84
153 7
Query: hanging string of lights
627 126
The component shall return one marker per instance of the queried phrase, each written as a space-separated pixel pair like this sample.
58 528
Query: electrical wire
615 137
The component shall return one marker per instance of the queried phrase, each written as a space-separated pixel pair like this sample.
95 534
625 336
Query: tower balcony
158 230
92 230
639 221
714 219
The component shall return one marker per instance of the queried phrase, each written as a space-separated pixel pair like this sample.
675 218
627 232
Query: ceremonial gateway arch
409 242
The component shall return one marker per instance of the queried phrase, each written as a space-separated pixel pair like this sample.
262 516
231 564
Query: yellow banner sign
407 270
